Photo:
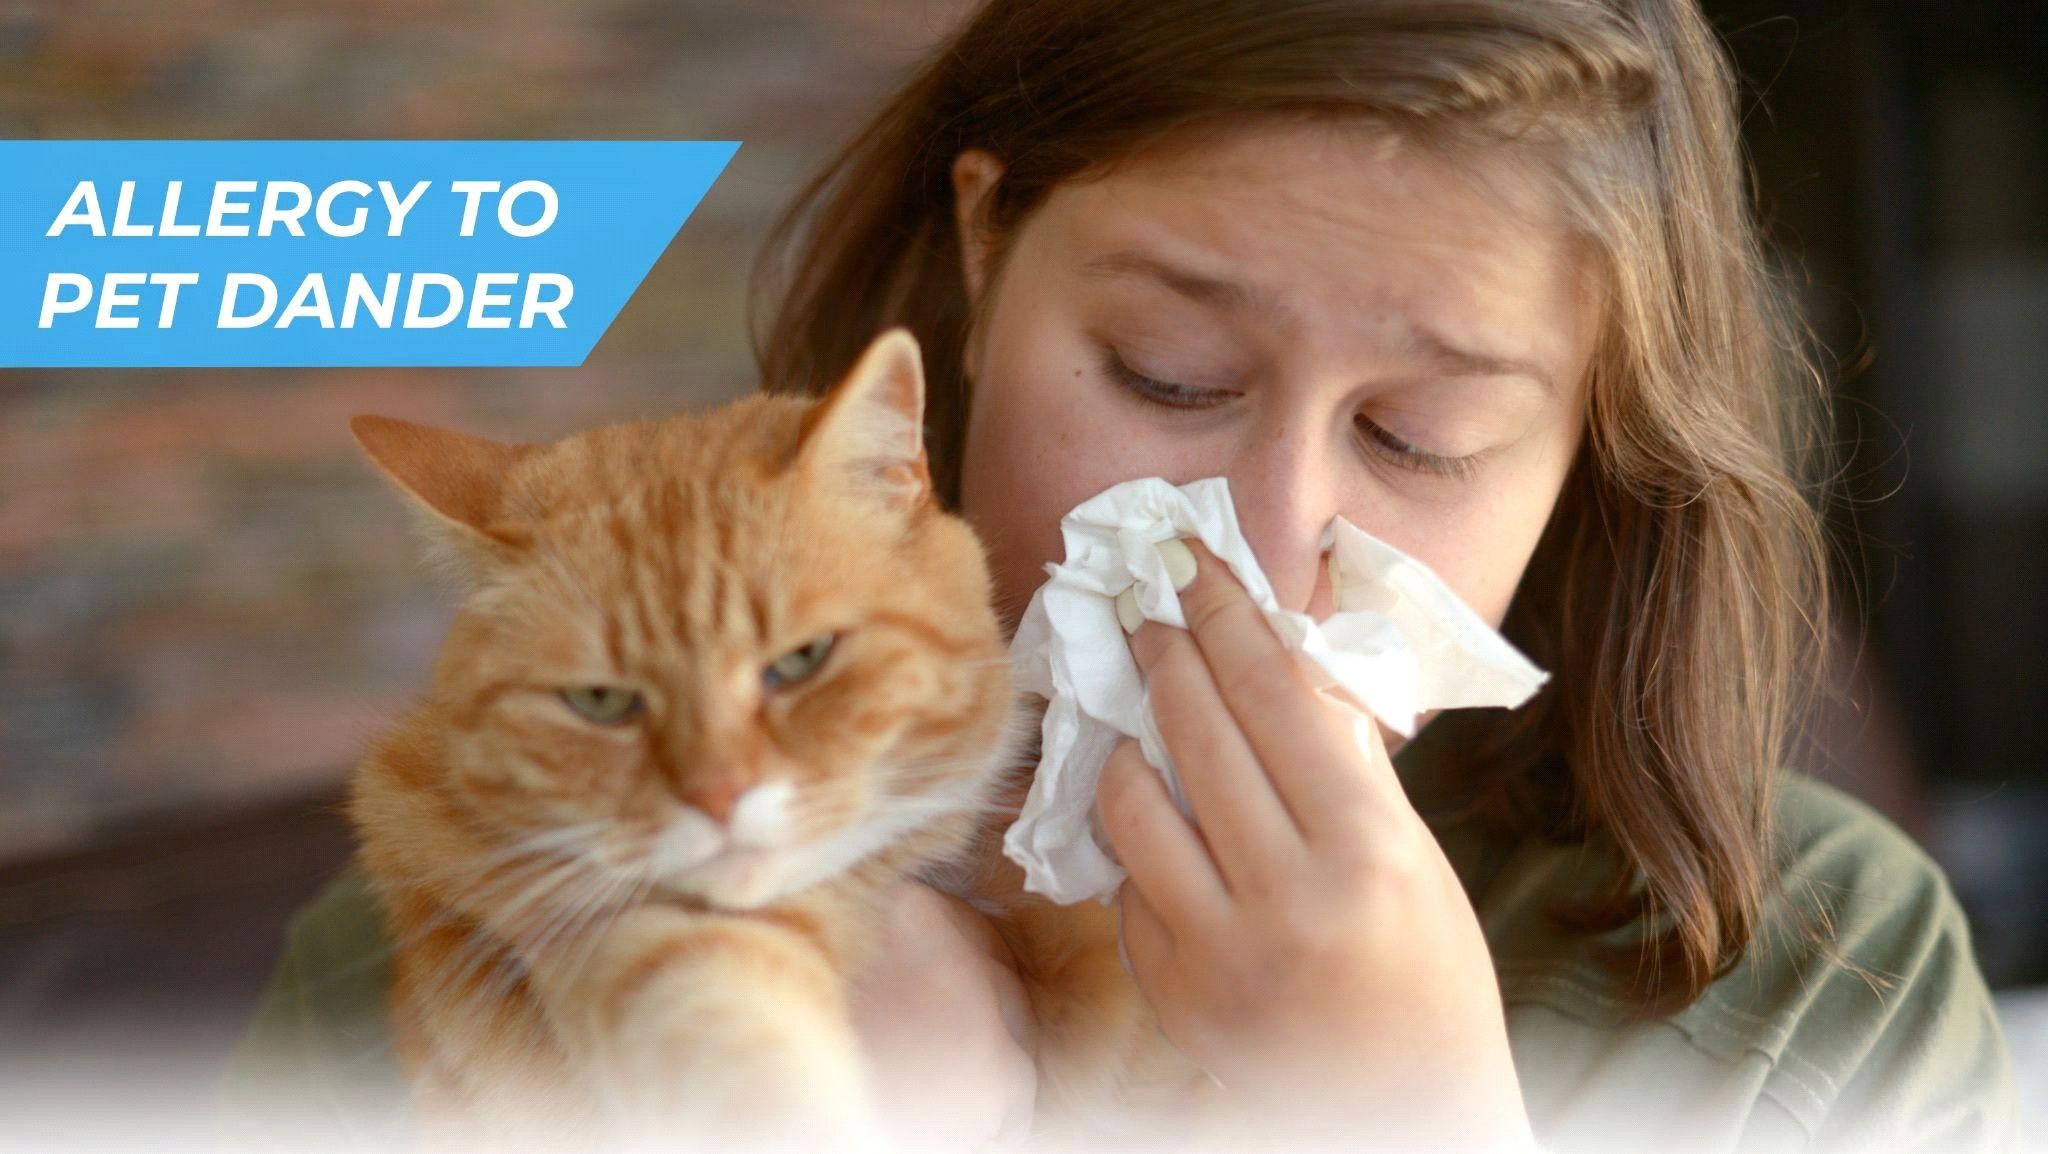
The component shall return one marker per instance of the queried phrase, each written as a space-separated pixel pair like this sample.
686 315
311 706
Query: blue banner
134 253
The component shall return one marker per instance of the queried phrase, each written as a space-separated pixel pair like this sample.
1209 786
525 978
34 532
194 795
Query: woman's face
1337 323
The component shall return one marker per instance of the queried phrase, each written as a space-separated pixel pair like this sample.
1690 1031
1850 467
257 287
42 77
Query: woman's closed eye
1392 447
1376 438
1162 392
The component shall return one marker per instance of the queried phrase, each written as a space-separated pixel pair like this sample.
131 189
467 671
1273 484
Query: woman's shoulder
1886 1032
1893 1012
1863 883
1825 832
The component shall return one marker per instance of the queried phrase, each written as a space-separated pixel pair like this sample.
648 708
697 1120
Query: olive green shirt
1791 1050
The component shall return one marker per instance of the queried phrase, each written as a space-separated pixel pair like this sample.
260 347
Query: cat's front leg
698 1027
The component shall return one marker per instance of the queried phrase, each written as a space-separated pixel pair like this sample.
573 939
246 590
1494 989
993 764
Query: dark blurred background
207 603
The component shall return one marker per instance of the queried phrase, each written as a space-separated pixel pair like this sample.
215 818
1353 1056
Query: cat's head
724 654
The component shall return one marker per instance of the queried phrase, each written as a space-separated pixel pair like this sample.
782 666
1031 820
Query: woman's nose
1285 491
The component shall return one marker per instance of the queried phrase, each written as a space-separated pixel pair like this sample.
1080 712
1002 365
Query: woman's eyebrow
1226 295
1432 346
1231 296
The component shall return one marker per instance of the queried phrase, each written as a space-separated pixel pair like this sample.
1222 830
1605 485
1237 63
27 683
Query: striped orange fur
618 912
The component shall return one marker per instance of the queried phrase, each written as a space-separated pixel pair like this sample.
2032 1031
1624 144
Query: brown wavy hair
1679 590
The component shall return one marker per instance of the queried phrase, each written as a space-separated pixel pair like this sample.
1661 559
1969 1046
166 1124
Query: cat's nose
717 796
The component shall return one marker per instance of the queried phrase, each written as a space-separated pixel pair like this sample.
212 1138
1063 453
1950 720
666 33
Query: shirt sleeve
1882 1037
1887 1039
1929 1069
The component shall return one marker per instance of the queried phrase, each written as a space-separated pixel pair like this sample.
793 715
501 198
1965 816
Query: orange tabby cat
716 683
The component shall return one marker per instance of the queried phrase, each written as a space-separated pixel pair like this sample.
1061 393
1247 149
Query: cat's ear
455 481
869 430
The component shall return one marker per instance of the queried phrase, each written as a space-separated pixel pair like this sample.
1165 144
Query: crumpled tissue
1398 643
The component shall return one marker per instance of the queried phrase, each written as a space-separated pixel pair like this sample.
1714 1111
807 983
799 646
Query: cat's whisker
560 878
551 836
571 894
633 852
559 836
487 949
587 926
596 885
920 812
509 915
391 945
480 880
902 811
544 936
578 843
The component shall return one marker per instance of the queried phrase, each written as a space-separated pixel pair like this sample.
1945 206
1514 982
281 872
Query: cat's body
718 682
1107 1077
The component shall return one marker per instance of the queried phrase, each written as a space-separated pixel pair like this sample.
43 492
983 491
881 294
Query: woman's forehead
1338 167
1311 229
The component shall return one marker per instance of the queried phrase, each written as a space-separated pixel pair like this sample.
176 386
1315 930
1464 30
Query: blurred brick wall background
206 599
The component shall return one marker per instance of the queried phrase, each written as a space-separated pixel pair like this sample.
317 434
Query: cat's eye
602 704
798 664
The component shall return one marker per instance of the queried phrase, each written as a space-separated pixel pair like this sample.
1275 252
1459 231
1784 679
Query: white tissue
1399 643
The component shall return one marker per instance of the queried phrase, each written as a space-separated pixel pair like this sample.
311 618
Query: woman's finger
1146 938
1306 743
1243 820
1155 843
1152 953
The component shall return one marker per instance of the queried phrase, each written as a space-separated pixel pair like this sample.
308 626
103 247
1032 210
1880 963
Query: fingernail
1128 614
1180 563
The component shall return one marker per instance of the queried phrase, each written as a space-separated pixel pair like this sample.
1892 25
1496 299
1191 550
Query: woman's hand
946 1026
1310 946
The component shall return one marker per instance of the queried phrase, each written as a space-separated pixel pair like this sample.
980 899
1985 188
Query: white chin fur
736 880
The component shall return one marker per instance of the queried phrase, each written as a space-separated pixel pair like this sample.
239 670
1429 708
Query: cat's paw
711 1031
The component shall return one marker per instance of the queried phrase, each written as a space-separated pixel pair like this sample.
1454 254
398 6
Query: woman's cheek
1027 463
1482 552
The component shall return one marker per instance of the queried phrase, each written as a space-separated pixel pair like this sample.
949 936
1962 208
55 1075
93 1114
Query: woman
1479 276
